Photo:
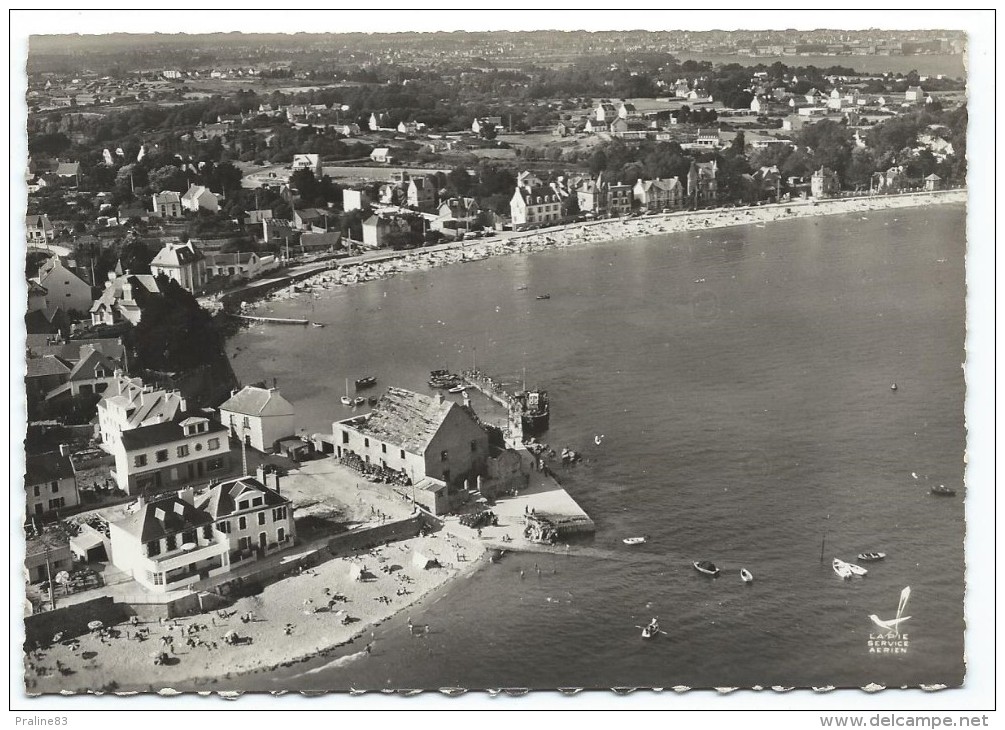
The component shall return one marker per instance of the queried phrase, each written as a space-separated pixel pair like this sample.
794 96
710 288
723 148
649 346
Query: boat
544 296
871 557
652 630
705 567
317 324
943 491
359 401
842 569
893 386
372 400
367 382
535 414
856 569
634 540
346 400
457 389
746 575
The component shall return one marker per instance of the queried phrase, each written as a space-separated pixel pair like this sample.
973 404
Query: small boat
652 630
943 491
367 382
372 400
746 575
842 569
634 540
359 401
893 386
346 400
705 567
544 296
457 389
856 569
871 557
317 324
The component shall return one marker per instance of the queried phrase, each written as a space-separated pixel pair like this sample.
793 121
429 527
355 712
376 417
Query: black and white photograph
518 359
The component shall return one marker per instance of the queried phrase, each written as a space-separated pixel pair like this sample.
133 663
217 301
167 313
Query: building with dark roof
182 262
185 451
50 483
168 543
257 519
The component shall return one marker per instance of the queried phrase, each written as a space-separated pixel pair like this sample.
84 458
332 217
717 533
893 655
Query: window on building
207 532
55 487
247 422
243 504
383 448
183 450
171 542
56 503
443 455
256 502
261 518
153 548
366 443
242 523
156 578
281 535
214 464
345 437
279 513
402 454
37 490
162 455
224 526
213 444
244 543
140 460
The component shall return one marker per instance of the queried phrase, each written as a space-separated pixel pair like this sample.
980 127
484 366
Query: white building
259 416
182 262
199 197
307 162
256 518
127 404
167 204
64 289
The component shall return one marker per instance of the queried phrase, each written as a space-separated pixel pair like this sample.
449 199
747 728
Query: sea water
741 380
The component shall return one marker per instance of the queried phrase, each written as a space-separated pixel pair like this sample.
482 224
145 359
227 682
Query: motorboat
457 389
746 575
367 382
317 324
842 569
634 540
871 557
544 296
705 567
943 491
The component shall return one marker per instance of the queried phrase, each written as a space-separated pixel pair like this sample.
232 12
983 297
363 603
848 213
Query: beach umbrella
94 625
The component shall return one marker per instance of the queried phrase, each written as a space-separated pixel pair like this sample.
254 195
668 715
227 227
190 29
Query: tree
168 177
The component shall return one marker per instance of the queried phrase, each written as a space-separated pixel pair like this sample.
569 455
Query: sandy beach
292 620
354 271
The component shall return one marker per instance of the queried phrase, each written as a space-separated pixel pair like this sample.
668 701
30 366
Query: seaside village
170 507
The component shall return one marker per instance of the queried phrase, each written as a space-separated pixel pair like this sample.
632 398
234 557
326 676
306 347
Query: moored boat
366 382
706 567
842 569
457 389
544 296
746 575
943 491
359 401
871 557
856 569
634 540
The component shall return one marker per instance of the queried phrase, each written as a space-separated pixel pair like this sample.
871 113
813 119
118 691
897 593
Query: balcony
181 558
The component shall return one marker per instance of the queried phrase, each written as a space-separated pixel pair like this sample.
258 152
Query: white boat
856 569
457 389
841 568
652 630
346 400
359 400
634 540
746 575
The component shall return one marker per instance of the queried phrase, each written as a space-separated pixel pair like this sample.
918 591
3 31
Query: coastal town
182 527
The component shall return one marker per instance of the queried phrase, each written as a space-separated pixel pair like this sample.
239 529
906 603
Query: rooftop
406 419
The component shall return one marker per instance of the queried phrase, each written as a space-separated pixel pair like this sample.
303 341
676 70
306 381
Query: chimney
64 449
186 495
275 476
183 405
260 473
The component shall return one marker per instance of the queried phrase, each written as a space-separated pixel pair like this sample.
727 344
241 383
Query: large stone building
435 444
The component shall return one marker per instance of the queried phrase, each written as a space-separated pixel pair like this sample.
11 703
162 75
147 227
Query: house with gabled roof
121 298
128 403
64 289
534 205
183 263
39 228
702 186
259 416
199 197
92 373
168 543
50 483
426 440
659 194
256 518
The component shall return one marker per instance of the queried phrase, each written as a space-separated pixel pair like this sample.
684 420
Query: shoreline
381 264
296 601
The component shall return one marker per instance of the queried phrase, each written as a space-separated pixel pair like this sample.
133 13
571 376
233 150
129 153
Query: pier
270 320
